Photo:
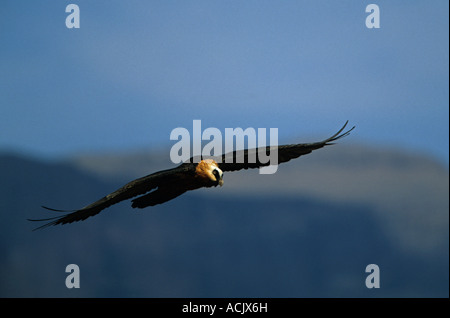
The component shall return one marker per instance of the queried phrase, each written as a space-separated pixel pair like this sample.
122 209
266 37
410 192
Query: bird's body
165 185
187 177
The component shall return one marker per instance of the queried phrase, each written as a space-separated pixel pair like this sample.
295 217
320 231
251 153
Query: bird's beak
221 180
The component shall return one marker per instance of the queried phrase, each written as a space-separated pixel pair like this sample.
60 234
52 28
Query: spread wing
134 188
249 158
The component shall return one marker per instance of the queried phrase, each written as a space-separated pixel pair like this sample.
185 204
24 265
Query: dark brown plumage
169 184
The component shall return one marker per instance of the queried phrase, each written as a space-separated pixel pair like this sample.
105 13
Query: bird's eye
215 172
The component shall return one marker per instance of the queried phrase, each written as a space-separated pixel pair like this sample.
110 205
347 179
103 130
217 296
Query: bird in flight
165 185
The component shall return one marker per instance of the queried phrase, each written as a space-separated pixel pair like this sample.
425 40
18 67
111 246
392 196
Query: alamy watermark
73 279
373 279
256 138
372 20
73 19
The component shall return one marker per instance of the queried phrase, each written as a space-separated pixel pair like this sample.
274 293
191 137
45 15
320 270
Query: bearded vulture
171 183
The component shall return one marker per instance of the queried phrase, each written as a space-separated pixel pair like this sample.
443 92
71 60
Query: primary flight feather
165 185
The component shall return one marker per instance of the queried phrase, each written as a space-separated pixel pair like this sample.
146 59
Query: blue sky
135 70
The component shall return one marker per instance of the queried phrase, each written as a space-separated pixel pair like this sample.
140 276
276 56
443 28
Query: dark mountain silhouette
308 231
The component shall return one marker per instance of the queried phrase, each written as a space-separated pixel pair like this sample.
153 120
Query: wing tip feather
55 220
338 135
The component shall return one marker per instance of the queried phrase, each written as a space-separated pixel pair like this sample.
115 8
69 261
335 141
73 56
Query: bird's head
209 169
218 174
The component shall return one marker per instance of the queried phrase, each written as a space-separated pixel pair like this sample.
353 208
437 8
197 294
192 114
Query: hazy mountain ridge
220 243
397 184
